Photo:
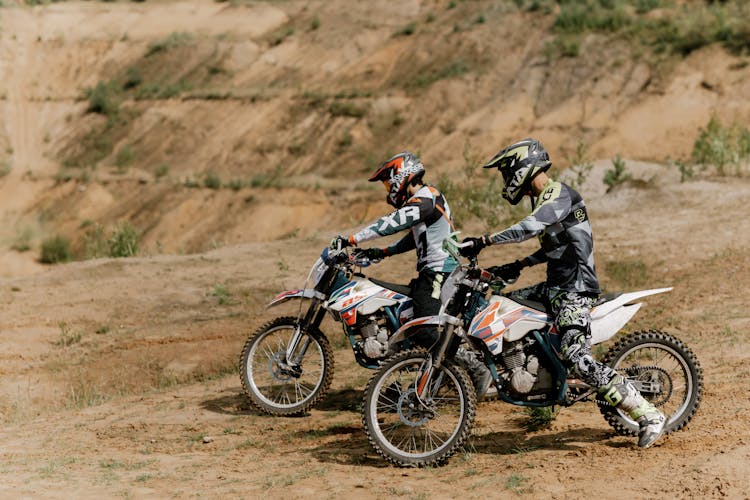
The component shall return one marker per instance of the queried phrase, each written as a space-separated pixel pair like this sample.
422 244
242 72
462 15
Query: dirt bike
419 407
287 365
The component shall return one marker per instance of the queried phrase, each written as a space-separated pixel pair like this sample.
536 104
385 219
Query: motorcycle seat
539 306
402 289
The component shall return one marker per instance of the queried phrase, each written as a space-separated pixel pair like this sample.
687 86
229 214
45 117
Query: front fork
299 342
446 348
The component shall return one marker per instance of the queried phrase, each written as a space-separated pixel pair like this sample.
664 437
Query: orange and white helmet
396 174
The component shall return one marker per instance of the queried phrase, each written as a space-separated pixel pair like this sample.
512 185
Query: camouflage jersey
560 220
428 216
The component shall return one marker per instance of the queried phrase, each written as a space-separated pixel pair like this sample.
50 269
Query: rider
560 220
424 210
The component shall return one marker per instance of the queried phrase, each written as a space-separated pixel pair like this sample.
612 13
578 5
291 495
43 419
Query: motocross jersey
428 216
560 220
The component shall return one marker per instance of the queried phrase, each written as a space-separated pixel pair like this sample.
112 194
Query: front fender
307 293
419 323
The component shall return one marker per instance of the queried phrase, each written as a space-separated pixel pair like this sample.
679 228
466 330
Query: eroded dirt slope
223 123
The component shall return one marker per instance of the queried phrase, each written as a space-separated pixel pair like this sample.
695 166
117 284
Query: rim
403 425
275 388
660 364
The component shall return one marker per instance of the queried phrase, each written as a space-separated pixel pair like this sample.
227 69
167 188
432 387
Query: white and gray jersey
560 219
428 216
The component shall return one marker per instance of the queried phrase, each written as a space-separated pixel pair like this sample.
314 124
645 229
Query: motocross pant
573 321
425 296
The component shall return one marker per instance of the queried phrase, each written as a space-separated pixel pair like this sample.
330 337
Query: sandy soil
115 413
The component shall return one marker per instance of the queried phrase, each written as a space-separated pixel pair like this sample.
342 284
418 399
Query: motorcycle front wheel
410 431
279 386
664 370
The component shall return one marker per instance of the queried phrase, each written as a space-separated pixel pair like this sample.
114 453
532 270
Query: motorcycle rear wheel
410 432
273 389
667 373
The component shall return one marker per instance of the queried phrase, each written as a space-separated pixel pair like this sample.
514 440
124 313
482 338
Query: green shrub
125 156
539 417
407 30
103 99
339 108
617 175
169 43
726 148
124 241
161 171
580 165
427 78
5 168
133 78
212 181
54 250
591 15
266 180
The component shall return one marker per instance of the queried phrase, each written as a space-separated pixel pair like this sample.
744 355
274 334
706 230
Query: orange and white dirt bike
287 364
419 406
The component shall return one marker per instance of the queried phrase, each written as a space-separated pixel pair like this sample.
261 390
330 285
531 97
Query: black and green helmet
520 163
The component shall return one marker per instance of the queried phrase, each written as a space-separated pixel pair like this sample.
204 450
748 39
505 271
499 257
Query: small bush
125 156
5 168
133 78
169 43
539 417
55 250
161 171
580 165
407 30
222 294
617 175
452 70
103 99
339 108
212 181
266 180
124 241
726 148
67 338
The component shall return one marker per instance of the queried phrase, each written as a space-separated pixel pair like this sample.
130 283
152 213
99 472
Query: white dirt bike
286 365
419 406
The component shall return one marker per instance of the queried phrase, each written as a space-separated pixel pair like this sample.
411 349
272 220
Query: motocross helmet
519 163
396 174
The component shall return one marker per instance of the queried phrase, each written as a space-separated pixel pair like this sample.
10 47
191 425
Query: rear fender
307 293
605 327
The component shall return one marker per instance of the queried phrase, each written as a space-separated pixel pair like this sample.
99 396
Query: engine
374 343
524 374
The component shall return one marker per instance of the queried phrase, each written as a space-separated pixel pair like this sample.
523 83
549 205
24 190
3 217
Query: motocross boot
621 393
479 373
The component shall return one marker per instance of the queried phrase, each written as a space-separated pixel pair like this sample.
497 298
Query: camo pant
573 322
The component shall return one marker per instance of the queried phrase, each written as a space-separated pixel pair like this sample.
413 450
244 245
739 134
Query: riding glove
507 272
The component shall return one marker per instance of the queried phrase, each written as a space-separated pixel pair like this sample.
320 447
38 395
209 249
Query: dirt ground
119 377
108 414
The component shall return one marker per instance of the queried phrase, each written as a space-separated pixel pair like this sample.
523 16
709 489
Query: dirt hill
236 137
207 123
